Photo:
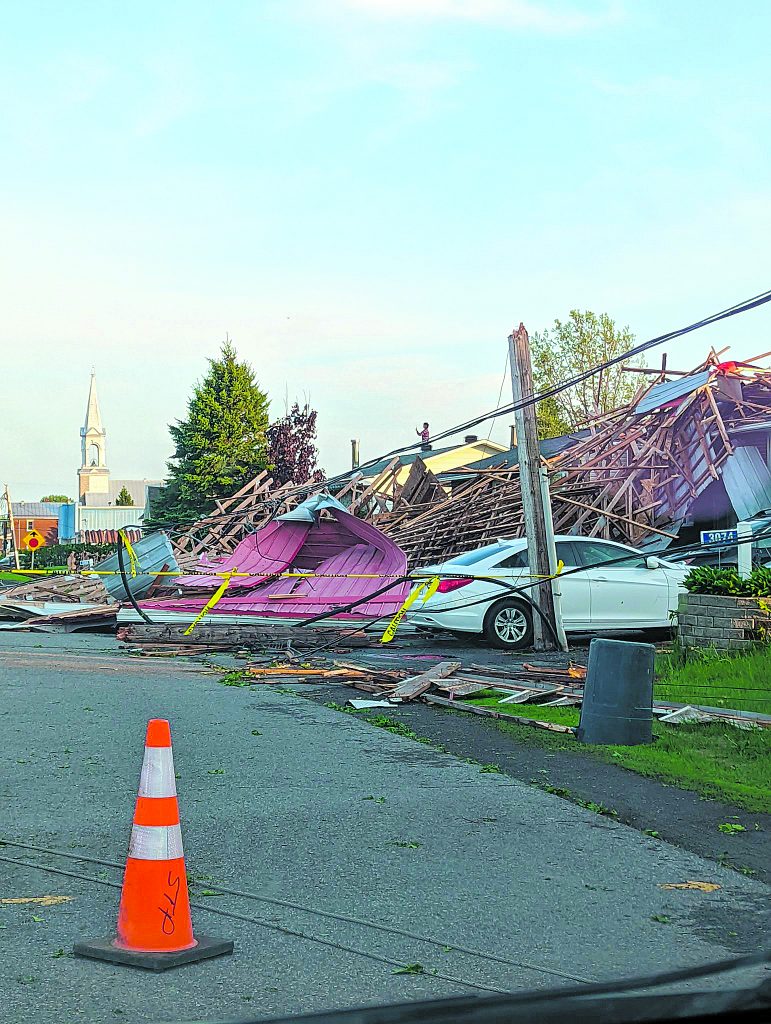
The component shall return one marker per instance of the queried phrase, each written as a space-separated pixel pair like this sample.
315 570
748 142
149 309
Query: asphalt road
274 794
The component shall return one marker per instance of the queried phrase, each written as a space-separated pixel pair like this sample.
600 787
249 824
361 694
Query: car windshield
594 552
482 554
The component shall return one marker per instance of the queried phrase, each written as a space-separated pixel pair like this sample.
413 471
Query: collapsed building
688 452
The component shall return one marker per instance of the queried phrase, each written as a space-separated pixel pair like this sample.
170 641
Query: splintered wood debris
632 475
448 682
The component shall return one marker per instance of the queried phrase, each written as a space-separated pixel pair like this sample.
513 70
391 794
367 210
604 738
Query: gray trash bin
618 695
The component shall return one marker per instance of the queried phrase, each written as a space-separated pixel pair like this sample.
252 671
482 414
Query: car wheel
509 625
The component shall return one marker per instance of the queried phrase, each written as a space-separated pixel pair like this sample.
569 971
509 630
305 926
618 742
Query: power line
502 410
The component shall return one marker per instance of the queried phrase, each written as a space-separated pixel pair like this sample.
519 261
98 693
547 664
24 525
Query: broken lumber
489 713
417 685
259 636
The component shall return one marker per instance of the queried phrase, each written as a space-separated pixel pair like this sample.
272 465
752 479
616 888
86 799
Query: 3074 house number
719 536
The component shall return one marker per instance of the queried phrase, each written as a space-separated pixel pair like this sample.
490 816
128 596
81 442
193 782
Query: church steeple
93 416
93 475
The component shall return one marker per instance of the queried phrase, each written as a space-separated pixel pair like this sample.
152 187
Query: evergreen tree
220 446
124 499
292 451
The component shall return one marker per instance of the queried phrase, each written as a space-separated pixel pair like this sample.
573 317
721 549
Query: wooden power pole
538 528
12 524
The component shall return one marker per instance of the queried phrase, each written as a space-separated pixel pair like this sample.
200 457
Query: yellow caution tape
234 574
131 552
429 586
210 603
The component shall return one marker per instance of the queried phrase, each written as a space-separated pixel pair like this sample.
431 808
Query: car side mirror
652 562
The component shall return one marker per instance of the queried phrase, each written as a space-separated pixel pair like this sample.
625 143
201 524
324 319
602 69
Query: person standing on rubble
424 435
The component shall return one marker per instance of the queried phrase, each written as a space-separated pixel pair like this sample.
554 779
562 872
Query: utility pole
540 538
12 524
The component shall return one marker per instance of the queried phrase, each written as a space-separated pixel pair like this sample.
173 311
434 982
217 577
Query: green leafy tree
220 446
60 499
124 499
582 341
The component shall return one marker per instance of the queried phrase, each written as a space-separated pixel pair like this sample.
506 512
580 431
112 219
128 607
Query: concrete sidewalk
274 794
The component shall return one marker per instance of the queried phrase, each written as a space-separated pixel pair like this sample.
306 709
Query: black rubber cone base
103 949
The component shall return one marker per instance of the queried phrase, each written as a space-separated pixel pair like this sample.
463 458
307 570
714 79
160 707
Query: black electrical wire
741 307
293 932
331 915
517 590
126 587
586 989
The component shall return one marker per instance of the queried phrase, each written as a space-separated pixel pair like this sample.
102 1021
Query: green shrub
56 554
707 579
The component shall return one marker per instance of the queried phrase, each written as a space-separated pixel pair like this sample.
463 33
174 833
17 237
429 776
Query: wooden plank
414 687
461 688
490 713
519 697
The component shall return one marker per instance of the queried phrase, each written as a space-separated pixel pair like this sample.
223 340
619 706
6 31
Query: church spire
93 416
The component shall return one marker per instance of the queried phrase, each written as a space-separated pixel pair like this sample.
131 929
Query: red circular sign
33 543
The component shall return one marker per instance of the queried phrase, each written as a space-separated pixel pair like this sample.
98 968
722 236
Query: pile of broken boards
444 684
448 682
289 641
633 476
58 604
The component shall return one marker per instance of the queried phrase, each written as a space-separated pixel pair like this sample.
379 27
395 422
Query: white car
638 593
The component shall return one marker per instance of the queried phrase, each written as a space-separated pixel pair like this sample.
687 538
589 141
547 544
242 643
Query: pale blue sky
366 195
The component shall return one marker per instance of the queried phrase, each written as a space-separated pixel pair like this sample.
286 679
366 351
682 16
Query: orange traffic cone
154 927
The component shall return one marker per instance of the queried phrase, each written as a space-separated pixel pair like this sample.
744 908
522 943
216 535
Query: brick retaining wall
729 623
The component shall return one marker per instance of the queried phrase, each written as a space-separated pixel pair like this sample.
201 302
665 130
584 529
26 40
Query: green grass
9 576
715 760
560 716
741 682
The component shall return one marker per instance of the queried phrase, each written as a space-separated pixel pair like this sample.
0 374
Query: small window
30 524
516 561
472 557
566 553
592 552
519 560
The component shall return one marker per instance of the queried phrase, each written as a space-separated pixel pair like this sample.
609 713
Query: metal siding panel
670 390
747 480
153 552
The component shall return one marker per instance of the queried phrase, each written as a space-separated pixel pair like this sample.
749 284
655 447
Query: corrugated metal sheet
115 517
66 522
670 390
747 480
36 509
152 552
308 510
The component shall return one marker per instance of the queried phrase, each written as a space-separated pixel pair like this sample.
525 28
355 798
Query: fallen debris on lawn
448 682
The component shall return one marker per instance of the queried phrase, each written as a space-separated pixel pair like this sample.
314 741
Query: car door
574 587
625 595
